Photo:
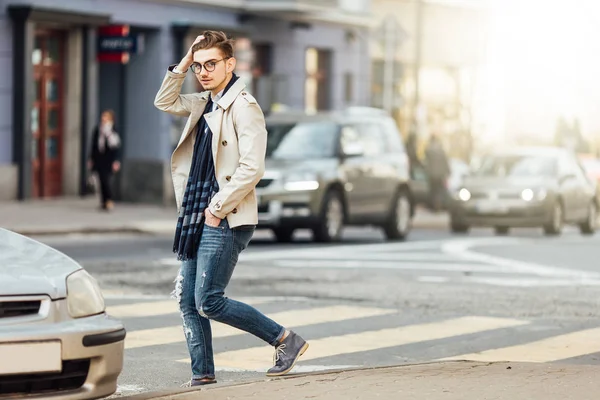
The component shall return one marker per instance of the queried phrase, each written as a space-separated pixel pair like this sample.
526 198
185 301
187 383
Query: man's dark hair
216 39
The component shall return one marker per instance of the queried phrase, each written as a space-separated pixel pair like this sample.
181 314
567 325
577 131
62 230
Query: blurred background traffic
481 108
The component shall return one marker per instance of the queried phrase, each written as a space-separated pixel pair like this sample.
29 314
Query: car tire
331 220
588 227
398 224
555 224
284 234
458 227
502 230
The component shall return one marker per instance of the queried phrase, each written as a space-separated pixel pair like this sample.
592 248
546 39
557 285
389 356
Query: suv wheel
284 235
555 225
399 221
331 224
589 226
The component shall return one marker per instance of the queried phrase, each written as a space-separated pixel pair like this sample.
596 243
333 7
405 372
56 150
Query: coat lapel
193 120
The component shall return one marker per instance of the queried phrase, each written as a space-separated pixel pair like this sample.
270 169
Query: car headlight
301 181
527 195
84 297
464 194
530 194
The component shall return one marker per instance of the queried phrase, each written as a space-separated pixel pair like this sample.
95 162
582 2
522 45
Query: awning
56 15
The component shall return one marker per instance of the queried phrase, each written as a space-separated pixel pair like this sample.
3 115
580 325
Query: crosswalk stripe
386 264
399 256
156 308
174 334
257 358
555 348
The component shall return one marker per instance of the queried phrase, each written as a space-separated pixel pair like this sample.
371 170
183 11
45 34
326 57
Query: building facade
58 73
432 51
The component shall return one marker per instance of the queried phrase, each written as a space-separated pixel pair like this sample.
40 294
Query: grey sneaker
286 354
202 382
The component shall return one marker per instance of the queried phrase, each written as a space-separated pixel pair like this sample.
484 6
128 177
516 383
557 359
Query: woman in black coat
104 161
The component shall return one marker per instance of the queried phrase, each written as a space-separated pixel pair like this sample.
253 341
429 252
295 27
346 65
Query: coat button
234 211
224 142
244 93
228 178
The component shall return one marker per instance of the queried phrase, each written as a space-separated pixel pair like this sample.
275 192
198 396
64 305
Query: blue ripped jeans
200 290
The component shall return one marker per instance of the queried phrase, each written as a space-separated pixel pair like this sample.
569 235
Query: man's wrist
182 67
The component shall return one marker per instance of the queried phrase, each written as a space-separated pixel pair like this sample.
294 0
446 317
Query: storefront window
53 55
51 148
52 90
35 119
52 119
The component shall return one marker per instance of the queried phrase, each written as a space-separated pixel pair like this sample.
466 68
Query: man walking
215 167
438 171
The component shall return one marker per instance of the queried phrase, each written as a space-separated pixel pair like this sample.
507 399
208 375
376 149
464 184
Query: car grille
264 183
10 309
73 376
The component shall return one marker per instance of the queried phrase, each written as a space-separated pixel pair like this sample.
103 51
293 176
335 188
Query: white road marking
462 249
294 318
527 282
167 305
555 348
421 266
433 279
257 358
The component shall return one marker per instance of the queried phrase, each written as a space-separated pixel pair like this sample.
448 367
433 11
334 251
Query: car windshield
515 166
301 141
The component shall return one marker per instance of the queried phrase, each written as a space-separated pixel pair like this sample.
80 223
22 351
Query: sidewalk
435 381
75 215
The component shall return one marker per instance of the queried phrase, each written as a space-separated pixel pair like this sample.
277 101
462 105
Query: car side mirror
353 150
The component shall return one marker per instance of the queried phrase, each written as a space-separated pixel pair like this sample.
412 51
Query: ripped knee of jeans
176 294
211 305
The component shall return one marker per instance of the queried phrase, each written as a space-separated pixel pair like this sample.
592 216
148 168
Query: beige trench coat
238 145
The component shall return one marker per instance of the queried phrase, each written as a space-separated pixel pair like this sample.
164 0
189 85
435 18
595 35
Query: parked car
329 170
527 187
56 340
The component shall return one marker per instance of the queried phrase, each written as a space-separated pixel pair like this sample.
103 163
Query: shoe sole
302 350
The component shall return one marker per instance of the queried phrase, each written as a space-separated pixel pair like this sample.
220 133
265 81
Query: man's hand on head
187 61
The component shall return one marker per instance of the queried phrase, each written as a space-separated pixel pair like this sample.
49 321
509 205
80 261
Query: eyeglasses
209 66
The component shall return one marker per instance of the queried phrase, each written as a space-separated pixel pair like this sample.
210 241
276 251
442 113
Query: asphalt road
363 302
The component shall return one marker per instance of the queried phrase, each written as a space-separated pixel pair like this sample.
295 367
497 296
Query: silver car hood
28 267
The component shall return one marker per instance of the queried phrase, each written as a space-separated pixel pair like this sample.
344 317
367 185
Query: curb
159 394
429 223
83 231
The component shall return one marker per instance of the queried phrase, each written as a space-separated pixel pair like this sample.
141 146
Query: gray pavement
436 381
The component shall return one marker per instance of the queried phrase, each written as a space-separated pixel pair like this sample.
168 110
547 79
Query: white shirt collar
217 97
